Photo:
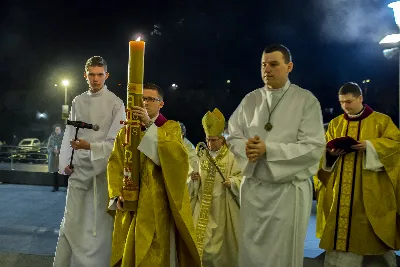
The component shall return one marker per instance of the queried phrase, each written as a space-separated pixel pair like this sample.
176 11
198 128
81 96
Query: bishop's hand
255 148
195 176
227 183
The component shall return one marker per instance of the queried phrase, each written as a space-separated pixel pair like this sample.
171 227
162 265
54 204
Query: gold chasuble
143 238
359 204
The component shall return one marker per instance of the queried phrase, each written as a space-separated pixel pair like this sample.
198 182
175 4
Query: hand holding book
344 145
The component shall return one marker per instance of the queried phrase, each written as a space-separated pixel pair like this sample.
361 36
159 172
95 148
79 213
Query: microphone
83 125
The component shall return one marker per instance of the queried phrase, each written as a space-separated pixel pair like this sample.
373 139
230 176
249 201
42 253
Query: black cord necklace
268 127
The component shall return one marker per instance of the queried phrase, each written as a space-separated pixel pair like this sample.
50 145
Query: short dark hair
152 86
350 88
287 56
96 61
55 126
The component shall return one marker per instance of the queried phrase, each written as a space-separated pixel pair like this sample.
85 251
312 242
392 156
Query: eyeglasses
150 99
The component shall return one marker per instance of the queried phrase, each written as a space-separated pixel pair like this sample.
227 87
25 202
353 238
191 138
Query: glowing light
390 53
228 81
390 39
40 115
396 11
139 39
65 82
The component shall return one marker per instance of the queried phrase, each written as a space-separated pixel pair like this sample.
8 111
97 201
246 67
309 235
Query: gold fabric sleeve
115 167
142 238
175 166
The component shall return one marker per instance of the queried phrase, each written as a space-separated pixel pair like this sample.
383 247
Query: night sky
198 45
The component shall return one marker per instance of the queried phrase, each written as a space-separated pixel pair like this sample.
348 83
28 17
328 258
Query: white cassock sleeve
193 186
234 177
112 204
371 159
236 141
66 149
193 160
101 151
287 159
149 144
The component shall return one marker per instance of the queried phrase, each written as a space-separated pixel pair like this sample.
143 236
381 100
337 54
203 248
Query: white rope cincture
95 206
296 226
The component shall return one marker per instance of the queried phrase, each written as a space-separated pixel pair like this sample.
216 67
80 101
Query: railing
18 158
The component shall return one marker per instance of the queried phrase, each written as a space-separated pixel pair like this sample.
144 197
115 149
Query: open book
344 143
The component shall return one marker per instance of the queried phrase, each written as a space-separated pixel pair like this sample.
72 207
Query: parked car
30 150
43 147
29 144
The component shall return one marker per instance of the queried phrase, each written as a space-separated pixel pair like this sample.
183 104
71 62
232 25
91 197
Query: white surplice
276 192
193 158
86 229
193 167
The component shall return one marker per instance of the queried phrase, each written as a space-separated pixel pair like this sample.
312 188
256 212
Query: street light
40 115
396 10
392 41
65 83
65 108
391 52
174 86
366 82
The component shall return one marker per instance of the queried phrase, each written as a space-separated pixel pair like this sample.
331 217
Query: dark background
198 45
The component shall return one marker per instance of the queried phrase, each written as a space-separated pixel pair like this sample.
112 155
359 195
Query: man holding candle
160 232
278 137
86 229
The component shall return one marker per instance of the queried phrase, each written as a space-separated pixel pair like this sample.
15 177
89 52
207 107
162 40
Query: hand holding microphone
80 143
68 170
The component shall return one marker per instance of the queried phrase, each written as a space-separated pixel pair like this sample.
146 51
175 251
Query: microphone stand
71 166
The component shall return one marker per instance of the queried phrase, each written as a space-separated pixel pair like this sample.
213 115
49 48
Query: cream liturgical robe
276 193
86 229
217 231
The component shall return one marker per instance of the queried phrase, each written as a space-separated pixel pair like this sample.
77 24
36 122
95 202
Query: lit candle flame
138 39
